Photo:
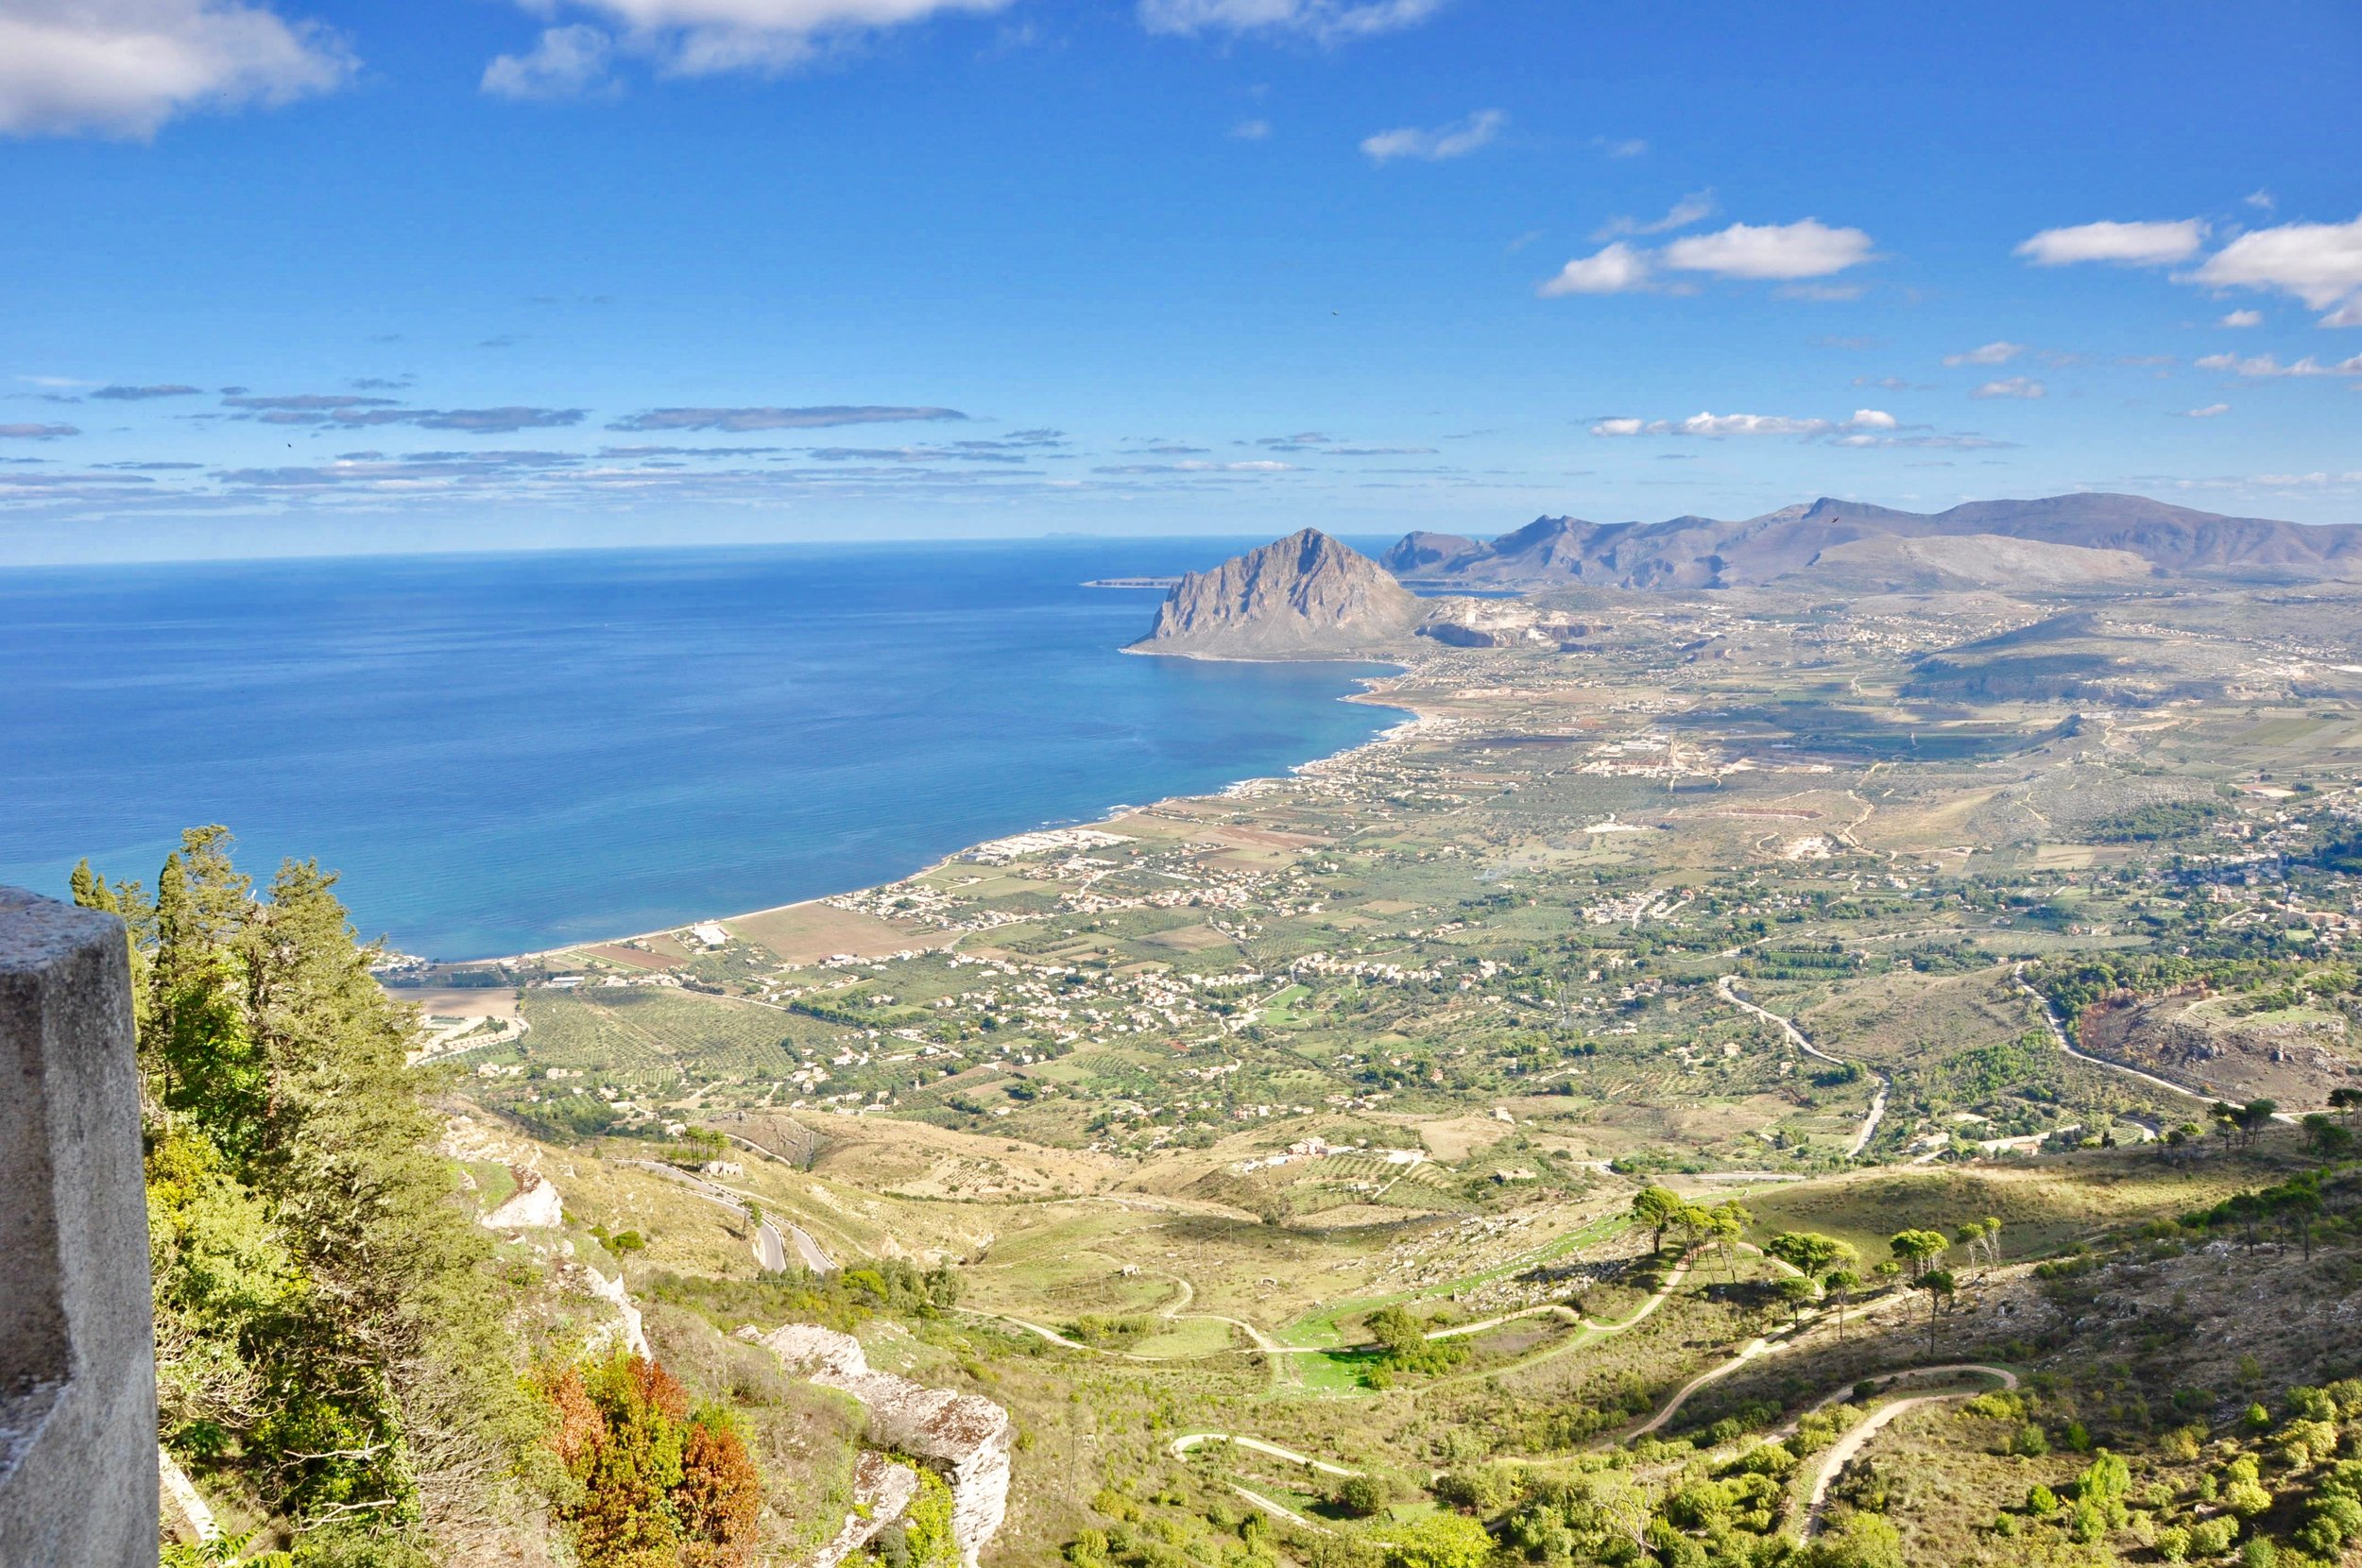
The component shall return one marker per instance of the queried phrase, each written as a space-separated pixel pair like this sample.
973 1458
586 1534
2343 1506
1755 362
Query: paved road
770 1245
2066 1042
1796 1038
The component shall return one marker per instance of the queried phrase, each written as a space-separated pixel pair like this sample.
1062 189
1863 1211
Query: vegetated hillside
1802 540
1303 594
1889 563
2082 656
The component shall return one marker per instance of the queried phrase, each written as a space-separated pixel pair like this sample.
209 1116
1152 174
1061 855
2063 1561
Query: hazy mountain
1693 552
1305 593
1893 563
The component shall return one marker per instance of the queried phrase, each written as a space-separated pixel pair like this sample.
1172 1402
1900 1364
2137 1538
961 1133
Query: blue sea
503 753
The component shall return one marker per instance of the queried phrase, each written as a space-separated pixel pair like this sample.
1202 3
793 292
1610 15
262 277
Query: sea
507 753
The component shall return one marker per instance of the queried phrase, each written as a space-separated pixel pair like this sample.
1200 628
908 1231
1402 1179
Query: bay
507 753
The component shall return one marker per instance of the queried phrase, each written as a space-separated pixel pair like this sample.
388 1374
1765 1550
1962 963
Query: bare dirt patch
458 1001
806 933
630 958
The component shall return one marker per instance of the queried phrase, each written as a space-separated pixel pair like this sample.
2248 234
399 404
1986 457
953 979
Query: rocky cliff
1303 594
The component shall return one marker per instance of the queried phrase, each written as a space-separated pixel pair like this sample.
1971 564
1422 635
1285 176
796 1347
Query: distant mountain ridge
1698 553
1304 594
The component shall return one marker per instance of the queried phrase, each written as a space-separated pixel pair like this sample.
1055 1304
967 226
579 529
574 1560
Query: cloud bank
741 420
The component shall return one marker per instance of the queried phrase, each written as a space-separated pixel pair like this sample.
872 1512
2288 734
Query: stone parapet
78 1363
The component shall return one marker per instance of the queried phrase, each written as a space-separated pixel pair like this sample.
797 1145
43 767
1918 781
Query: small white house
710 933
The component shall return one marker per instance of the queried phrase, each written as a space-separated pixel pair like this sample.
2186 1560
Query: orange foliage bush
663 1484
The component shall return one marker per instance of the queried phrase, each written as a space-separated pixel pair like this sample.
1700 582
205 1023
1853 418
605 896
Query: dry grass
805 933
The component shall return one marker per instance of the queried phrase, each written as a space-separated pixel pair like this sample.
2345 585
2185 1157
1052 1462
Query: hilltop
2002 543
1304 594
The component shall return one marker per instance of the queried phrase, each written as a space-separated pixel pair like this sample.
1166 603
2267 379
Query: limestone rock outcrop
883 1490
535 1205
966 1437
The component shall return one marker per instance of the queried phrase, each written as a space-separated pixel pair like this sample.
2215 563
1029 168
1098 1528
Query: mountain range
2054 539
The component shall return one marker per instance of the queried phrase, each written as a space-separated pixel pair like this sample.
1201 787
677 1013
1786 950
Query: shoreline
1375 689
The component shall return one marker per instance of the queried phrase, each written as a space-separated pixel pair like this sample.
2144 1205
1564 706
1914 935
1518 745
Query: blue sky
465 273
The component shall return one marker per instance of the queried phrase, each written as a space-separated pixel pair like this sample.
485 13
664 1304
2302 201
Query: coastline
1377 691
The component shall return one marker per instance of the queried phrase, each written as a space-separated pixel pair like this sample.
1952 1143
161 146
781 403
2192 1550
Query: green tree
1939 1287
2328 1138
1440 1541
1659 1209
1841 1284
1864 1540
2297 1205
1362 1495
1396 1329
317 1291
1917 1251
1808 1251
1727 1223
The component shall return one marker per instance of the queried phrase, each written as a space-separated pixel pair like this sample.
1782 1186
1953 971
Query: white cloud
1614 270
2242 319
1329 21
1457 140
1744 424
1627 147
1251 131
2132 244
1822 293
2262 201
1691 209
1790 251
2265 366
1748 424
706 37
1991 353
2318 263
1938 443
2013 386
124 67
1200 466
1785 251
568 62
2209 412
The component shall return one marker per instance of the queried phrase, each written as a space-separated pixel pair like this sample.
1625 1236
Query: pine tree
317 1299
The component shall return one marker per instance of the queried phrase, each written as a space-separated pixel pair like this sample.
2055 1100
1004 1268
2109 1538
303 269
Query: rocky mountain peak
1305 593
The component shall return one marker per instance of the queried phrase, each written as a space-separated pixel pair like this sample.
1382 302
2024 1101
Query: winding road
1842 1453
1796 1038
770 1244
2066 1042
1830 1466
